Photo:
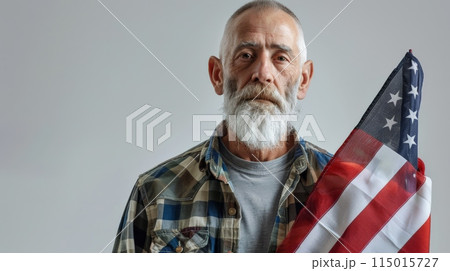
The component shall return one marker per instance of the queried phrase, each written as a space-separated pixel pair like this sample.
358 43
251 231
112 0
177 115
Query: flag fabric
373 195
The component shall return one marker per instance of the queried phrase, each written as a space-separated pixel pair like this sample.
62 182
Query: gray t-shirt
258 192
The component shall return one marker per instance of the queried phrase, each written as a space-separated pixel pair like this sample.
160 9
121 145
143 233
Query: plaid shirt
187 204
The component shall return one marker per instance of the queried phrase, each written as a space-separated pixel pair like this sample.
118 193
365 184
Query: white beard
259 125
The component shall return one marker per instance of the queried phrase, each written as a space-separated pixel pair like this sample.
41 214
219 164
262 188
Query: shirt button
232 211
179 249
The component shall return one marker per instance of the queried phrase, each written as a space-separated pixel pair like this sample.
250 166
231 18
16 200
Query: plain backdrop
70 74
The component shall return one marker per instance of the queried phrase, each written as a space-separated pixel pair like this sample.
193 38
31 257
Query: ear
307 73
215 70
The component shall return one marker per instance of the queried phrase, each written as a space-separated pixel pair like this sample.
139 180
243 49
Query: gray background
70 74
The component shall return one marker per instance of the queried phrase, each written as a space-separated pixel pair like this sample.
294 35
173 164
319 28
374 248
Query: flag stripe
379 211
360 192
327 192
396 233
419 242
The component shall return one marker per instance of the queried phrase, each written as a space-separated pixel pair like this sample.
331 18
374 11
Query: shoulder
176 178
316 155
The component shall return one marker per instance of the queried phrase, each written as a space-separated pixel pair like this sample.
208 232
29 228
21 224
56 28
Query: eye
282 58
246 56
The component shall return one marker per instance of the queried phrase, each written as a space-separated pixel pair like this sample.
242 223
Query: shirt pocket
191 239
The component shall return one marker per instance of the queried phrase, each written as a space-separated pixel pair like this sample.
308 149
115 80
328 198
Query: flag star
412 115
394 98
410 141
413 67
413 91
390 122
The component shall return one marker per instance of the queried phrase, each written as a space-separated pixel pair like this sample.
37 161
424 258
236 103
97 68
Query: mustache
259 91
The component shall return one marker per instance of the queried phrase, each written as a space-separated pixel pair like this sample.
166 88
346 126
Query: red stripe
420 241
380 210
348 162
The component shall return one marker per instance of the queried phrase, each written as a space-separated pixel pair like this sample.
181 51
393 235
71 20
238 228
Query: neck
241 150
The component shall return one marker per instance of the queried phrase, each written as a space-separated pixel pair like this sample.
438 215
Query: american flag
373 195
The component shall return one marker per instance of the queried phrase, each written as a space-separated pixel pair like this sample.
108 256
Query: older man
241 190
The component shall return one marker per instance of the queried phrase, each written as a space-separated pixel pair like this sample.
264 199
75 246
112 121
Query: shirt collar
211 159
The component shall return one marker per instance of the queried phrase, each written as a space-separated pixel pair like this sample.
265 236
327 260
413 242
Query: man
241 190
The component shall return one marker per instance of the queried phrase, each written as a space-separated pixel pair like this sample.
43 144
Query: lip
262 100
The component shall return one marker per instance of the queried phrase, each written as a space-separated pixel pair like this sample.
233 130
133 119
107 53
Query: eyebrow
249 44
245 44
282 47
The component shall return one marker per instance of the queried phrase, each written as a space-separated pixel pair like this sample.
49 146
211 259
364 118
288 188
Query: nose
263 70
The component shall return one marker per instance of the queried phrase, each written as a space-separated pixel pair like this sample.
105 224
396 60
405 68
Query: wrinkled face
261 77
263 48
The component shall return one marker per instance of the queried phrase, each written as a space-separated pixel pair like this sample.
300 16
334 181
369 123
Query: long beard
259 125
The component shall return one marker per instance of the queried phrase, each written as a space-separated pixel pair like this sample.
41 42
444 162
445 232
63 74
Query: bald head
262 44
259 6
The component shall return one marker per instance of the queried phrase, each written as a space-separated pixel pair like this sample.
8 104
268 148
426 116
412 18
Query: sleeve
132 233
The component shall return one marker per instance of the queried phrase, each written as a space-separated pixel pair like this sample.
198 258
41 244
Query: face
263 50
261 76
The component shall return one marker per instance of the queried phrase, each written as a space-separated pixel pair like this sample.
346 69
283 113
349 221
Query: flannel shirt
187 204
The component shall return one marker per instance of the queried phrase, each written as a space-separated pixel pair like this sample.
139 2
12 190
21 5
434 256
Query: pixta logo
309 127
148 118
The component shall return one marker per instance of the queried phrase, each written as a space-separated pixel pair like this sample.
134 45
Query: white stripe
383 166
405 223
